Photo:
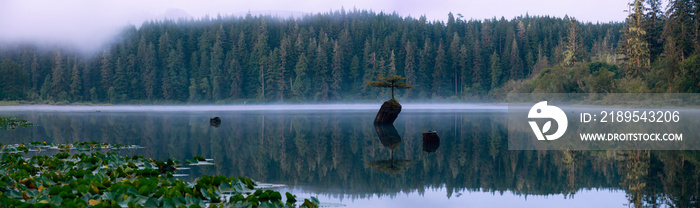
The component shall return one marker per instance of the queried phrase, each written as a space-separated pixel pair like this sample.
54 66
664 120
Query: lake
335 153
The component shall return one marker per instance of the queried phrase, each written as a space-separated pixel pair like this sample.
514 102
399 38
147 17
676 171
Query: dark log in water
215 122
388 112
431 141
388 135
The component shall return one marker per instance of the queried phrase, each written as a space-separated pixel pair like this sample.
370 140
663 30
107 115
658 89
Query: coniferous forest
329 57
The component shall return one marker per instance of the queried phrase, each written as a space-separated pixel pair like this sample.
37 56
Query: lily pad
95 179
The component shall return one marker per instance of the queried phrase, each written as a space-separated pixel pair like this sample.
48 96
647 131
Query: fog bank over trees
330 57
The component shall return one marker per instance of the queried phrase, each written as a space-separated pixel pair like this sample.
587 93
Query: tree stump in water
388 112
215 122
431 141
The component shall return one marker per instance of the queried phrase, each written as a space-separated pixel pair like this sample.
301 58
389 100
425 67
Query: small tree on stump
394 81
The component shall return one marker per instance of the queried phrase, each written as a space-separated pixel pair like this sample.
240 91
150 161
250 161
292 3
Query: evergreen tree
194 95
336 71
170 75
106 73
234 72
146 59
496 71
464 74
355 74
391 66
654 21
14 81
439 71
216 64
370 62
636 45
477 68
681 33
281 74
300 87
204 89
257 61
119 85
271 76
456 64
425 65
58 77
35 74
45 91
76 83
573 47
516 64
393 81
321 77
178 75
410 66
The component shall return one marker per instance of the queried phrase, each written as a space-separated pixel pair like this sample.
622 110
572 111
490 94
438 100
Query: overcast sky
88 24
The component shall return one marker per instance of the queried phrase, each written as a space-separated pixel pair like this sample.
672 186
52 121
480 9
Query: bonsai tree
394 81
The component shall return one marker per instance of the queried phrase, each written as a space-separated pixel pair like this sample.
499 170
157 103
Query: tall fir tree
496 71
216 64
58 74
106 74
76 83
456 65
410 66
233 68
301 84
322 78
477 68
438 75
636 45
516 63
336 71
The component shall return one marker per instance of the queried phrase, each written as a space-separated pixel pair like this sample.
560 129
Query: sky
89 24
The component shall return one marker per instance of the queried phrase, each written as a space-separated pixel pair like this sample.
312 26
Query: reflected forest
354 56
345 155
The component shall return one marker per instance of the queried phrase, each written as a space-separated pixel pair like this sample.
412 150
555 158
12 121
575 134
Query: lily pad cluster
78 146
199 160
111 180
11 122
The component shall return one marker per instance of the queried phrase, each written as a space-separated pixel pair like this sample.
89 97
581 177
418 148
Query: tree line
329 57
658 52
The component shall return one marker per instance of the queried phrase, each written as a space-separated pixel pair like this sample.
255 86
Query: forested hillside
330 57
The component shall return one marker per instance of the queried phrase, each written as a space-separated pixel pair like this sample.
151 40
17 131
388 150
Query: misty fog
279 107
89 26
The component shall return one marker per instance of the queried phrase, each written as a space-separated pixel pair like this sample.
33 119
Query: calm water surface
336 154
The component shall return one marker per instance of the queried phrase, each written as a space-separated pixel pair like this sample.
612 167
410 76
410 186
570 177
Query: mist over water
277 107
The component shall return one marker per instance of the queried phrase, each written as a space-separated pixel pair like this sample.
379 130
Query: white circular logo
542 110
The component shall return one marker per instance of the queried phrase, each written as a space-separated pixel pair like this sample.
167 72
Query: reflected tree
391 139
330 154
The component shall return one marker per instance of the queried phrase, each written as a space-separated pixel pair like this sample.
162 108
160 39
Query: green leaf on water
291 199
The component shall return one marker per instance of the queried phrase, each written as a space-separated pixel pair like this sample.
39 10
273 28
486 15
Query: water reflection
431 141
390 138
326 152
